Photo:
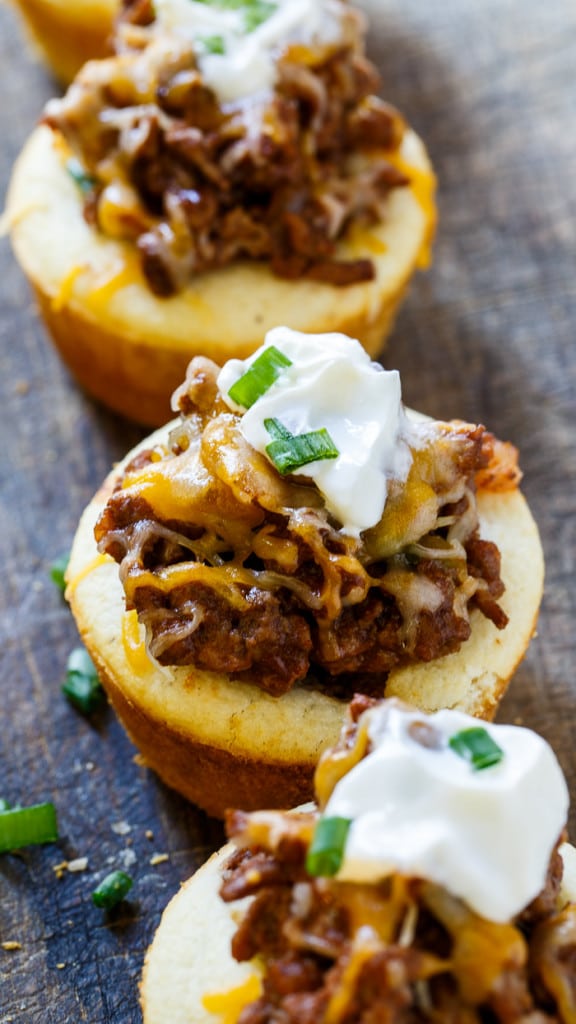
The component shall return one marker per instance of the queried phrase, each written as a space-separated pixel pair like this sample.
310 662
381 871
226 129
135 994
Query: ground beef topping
198 184
232 568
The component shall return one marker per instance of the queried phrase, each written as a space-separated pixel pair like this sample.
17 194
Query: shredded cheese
119 276
361 240
229 1005
133 642
423 187
64 293
364 947
172 485
222 578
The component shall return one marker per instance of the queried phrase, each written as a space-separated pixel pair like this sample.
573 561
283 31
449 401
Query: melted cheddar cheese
229 1005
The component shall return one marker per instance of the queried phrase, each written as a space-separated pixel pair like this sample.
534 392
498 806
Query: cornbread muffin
160 211
314 916
244 612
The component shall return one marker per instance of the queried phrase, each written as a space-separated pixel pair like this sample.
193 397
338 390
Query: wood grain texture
487 335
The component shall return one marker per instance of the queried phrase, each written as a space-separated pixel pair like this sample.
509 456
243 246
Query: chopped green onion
277 430
326 850
290 451
212 44
112 889
77 172
82 686
476 746
259 377
257 13
58 571
27 826
80 662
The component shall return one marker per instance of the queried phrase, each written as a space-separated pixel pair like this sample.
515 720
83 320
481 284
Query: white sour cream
486 835
248 64
333 383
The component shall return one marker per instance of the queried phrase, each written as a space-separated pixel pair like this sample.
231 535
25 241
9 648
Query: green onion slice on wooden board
27 826
82 686
112 890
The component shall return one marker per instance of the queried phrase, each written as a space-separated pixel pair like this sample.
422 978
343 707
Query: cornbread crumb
74 866
121 828
158 858
60 868
79 864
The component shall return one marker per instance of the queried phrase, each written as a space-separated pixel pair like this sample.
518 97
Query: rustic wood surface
487 335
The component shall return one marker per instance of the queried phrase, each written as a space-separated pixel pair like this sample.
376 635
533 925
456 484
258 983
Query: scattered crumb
158 858
129 841
128 858
139 760
60 967
10 945
22 387
90 766
149 833
79 864
121 828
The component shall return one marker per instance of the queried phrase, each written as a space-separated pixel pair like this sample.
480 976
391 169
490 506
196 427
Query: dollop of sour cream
485 835
247 64
333 383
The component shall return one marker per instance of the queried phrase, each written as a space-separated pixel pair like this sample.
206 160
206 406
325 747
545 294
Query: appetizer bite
296 537
426 885
229 169
67 33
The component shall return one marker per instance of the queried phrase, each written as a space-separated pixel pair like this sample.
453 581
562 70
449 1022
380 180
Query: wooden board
487 335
